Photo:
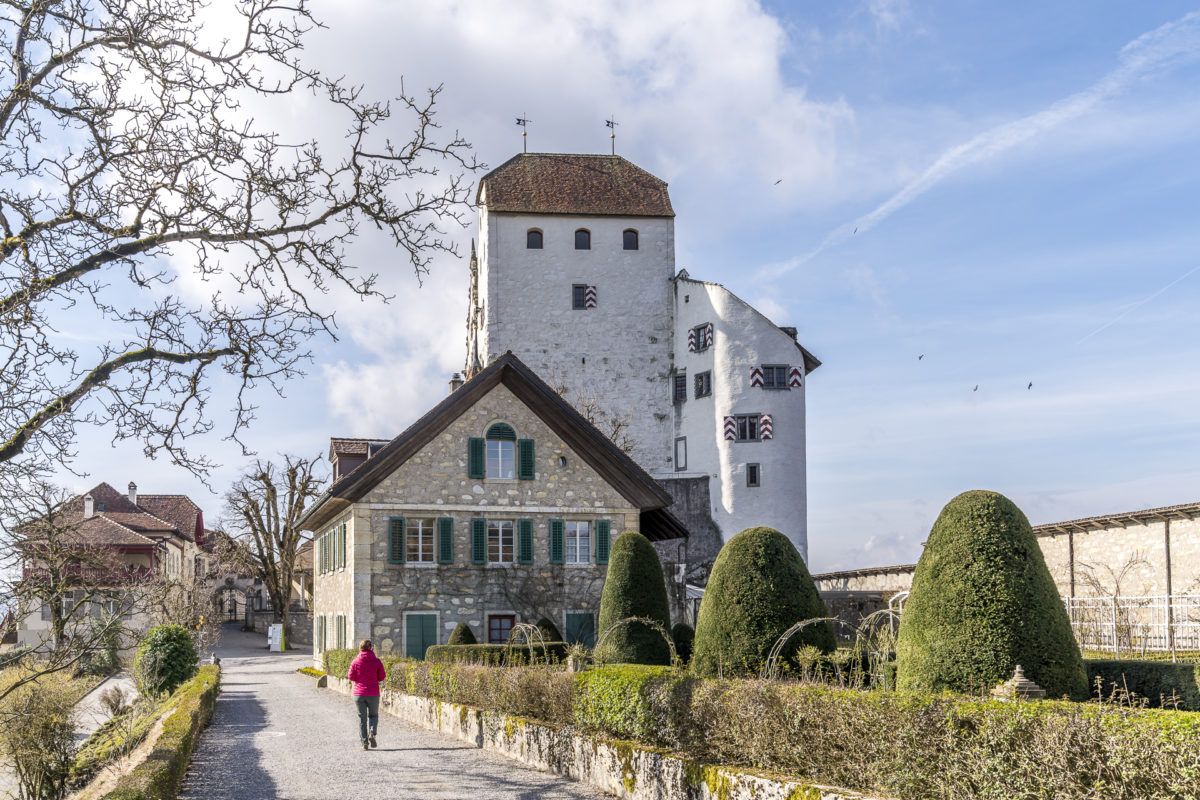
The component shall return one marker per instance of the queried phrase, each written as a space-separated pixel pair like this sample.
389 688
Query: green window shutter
525 462
556 541
342 543
476 468
478 541
445 532
337 548
525 541
602 537
396 540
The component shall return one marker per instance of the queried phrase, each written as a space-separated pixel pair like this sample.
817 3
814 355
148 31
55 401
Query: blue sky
1025 185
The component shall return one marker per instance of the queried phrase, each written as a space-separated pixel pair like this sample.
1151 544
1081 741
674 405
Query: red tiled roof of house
593 185
174 508
117 521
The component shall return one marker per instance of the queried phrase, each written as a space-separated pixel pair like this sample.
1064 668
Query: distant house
122 539
496 507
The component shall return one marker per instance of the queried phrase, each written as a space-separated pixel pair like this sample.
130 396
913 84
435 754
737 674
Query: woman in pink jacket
366 673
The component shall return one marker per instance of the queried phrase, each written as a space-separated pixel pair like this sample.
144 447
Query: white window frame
499 525
572 535
503 453
424 529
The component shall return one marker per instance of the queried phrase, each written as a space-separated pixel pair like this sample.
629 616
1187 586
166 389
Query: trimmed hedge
983 602
901 745
160 775
337 662
496 655
759 587
634 587
462 634
1161 683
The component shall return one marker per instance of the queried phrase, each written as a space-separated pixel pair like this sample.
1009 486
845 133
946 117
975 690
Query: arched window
630 239
533 239
583 239
501 451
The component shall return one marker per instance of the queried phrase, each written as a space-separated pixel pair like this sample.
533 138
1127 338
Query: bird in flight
1030 386
920 356
976 389
855 231
779 181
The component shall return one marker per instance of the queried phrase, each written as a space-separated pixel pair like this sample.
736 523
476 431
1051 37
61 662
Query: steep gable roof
590 445
592 185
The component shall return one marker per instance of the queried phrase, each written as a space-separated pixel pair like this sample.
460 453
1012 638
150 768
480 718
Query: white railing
1136 624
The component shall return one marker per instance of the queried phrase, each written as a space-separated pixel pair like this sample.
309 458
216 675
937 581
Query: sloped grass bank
187 713
891 743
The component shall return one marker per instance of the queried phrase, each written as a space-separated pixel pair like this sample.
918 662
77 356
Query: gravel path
275 735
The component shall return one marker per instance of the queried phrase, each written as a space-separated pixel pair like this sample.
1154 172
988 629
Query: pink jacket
366 672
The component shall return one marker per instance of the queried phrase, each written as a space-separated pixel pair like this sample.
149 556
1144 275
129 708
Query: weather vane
611 124
524 123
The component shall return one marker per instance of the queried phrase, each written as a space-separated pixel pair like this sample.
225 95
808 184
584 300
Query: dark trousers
368 715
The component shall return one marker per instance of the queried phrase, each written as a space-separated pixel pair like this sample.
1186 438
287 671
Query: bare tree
264 506
613 423
84 591
142 203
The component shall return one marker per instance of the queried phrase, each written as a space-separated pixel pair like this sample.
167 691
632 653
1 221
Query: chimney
790 331
456 383
89 507
133 492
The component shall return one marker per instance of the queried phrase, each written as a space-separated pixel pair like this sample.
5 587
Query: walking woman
366 673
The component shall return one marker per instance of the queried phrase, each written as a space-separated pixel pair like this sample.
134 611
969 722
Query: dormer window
533 239
630 239
583 239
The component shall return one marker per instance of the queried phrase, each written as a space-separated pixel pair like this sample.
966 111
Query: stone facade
378 598
625 353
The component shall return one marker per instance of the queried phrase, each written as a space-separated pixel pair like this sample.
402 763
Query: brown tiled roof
552 183
116 521
177 509
1121 519
102 530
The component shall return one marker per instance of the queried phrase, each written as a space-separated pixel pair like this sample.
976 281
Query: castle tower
575 273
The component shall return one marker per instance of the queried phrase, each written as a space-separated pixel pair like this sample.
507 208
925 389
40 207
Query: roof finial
524 123
612 123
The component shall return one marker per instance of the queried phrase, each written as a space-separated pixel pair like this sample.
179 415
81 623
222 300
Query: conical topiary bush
983 602
759 587
634 588
461 634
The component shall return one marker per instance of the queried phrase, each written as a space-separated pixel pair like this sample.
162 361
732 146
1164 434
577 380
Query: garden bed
897 744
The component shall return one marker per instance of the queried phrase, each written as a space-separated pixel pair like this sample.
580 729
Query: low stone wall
624 769
301 624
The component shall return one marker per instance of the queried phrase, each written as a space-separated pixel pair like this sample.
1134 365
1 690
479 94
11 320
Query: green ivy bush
1159 683
496 655
462 634
165 659
627 701
634 587
684 638
548 630
983 602
759 587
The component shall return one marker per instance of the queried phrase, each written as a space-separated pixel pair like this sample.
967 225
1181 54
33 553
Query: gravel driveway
275 735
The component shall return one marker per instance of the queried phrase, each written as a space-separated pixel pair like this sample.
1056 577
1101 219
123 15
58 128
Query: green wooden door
420 634
581 628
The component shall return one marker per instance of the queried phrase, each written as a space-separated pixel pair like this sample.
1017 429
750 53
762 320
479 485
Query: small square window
774 376
579 296
680 387
700 334
703 384
747 427
753 475
681 454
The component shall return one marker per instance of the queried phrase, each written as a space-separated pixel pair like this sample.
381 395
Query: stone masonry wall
434 483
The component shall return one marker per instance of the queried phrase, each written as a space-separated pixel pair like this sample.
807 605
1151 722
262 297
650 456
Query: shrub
548 630
684 637
496 655
758 588
160 775
1160 683
983 602
337 662
37 739
634 587
165 659
628 701
461 634
543 693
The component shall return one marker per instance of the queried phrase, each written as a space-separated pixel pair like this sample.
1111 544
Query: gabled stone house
496 507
